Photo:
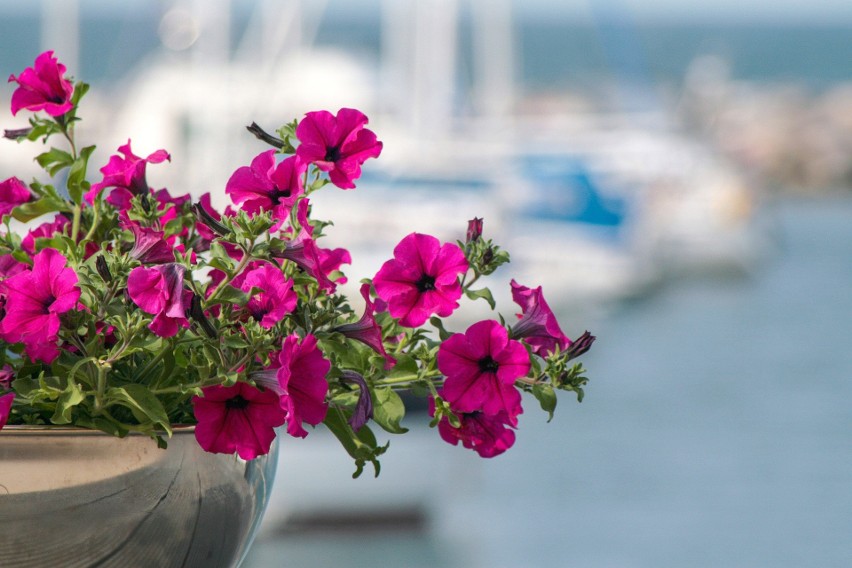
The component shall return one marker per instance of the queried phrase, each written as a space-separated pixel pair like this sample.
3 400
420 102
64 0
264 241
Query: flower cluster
126 308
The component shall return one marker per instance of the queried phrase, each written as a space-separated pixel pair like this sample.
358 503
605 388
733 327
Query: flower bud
17 133
474 229
196 312
579 346
103 269
261 134
211 222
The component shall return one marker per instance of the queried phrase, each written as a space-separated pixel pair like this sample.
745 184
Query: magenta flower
265 186
149 245
537 325
367 330
337 144
487 435
34 301
126 175
240 418
43 87
159 291
5 407
298 374
46 230
481 366
13 192
276 299
421 279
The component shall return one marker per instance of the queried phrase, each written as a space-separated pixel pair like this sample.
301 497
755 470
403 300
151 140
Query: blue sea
716 433
549 54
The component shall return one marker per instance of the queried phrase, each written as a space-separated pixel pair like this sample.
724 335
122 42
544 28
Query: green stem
243 263
75 224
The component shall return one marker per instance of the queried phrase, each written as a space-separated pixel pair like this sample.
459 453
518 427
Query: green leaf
442 333
362 447
144 405
54 160
233 295
77 183
70 397
546 397
33 209
388 410
483 293
405 365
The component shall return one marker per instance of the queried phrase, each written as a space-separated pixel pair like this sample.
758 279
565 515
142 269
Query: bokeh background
676 174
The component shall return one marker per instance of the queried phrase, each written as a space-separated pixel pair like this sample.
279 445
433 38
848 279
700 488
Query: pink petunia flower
337 144
488 436
34 301
367 330
126 175
46 230
481 366
5 407
265 186
537 325
13 192
240 418
298 375
421 279
159 291
277 298
149 245
43 87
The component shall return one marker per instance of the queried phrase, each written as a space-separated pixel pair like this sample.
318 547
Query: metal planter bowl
80 498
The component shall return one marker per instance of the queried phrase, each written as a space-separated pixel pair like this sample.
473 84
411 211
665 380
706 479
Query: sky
770 11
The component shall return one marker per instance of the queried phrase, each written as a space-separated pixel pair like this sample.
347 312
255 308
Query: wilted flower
474 229
488 435
538 326
366 330
149 245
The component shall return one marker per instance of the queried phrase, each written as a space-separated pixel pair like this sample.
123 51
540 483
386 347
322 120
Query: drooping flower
481 366
537 325
276 299
488 436
305 253
367 330
126 175
298 374
43 87
421 279
5 407
159 291
265 186
34 301
13 192
364 407
240 418
46 230
149 245
7 375
337 144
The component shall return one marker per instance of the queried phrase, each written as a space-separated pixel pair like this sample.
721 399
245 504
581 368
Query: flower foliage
125 308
